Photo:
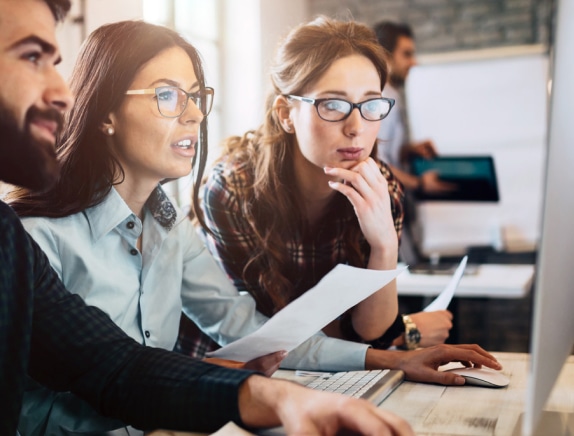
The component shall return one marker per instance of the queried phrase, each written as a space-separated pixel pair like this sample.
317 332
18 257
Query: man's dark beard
25 161
396 81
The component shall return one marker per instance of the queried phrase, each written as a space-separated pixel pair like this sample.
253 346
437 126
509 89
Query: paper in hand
442 301
344 287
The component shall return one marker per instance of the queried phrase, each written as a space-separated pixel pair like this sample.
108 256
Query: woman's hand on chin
367 189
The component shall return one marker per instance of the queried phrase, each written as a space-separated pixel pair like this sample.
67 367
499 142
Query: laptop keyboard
351 383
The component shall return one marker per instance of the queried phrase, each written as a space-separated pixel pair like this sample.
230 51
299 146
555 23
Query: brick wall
451 25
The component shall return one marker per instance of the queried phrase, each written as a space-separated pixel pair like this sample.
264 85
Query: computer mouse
482 377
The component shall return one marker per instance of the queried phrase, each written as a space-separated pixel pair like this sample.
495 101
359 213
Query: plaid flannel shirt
312 255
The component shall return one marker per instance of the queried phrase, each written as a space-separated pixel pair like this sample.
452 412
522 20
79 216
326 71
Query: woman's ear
107 126
282 109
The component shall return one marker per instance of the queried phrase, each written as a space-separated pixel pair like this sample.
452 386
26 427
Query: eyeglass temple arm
305 99
140 91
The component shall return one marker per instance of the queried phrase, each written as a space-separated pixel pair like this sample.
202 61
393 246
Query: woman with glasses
108 227
286 203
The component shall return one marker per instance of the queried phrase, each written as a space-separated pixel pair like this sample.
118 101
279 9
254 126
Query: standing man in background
394 144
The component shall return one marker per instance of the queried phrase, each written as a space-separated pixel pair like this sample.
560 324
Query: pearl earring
110 131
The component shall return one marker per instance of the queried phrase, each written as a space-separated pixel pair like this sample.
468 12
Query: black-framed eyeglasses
337 109
172 101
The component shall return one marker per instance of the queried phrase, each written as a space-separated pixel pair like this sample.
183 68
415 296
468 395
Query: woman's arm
368 191
231 246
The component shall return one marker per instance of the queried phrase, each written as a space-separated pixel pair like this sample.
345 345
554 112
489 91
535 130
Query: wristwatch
412 333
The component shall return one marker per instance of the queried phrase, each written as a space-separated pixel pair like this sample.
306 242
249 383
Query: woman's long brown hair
271 204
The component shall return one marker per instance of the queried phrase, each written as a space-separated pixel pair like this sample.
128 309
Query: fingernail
331 183
459 381
327 169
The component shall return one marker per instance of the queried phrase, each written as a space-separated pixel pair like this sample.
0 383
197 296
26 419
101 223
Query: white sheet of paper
442 301
344 287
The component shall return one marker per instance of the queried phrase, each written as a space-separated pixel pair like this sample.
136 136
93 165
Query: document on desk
443 299
344 287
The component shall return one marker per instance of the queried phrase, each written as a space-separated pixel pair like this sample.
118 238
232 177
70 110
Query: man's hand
431 183
422 365
270 402
425 149
267 364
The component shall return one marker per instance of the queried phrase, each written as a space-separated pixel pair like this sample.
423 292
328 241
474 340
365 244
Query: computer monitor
553 327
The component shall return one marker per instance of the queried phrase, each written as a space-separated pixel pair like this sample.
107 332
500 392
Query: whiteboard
496 106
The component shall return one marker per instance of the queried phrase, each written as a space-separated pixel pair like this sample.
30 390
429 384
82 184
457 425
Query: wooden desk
491 281
468 410
434 410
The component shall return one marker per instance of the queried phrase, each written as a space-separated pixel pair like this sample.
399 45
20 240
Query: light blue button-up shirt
95 254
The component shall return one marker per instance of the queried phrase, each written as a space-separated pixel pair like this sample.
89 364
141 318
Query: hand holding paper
344 287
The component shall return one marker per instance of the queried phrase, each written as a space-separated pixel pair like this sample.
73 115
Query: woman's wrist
384 257
395 330
399 341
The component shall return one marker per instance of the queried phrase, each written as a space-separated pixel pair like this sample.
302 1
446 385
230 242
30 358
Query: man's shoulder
8 217
12 230
12 234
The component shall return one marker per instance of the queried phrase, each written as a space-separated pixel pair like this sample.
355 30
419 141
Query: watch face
414 336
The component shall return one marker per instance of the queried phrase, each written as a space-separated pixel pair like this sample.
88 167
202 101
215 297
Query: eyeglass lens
335 110
172 101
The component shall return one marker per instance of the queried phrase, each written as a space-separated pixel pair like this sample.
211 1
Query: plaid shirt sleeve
72 346
232 241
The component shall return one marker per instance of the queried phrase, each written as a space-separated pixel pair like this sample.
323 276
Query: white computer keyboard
351 383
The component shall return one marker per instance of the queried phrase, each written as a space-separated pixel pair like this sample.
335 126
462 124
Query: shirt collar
113 210
161 208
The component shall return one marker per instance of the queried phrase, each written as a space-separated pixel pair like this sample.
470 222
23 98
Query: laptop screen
471 178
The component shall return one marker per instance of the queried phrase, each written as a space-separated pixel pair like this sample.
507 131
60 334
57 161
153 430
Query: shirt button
130 225
133 252
147 334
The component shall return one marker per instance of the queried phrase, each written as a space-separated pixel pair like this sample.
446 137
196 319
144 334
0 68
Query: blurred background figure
394 143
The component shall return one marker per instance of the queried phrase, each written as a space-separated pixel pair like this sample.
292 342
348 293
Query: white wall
252 31
70 34
277 18
100 12
241 60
